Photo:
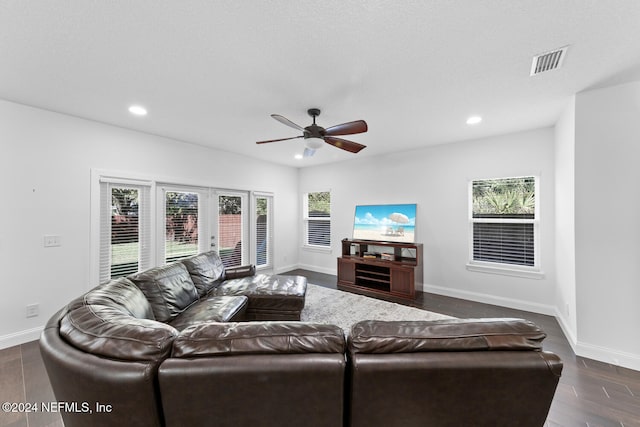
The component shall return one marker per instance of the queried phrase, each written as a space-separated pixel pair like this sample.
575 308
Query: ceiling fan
315 136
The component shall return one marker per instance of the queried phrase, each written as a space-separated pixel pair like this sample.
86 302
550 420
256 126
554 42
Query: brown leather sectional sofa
193 344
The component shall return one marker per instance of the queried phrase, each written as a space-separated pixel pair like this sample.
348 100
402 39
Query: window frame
495 267
306 219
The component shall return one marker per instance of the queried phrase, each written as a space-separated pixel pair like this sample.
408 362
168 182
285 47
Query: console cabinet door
402 281
346 271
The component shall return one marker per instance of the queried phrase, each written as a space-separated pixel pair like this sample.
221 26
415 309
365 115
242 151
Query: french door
230 226
139 223
195 220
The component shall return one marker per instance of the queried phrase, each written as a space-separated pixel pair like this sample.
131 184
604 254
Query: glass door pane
263 231
181 225
125 234
231 228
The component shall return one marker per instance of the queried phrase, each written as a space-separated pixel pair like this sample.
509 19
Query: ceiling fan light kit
314 143
315 136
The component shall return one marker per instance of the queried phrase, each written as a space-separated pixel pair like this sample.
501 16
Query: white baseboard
20 337
317 269
608 355
285 268
569 332
491 299
591 351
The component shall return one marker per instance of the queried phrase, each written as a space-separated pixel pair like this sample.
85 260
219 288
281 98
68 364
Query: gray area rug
324 305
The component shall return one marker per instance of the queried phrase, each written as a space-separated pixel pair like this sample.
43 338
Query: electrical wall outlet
52 241
33 310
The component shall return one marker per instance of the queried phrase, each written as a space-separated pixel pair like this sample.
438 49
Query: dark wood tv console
373 267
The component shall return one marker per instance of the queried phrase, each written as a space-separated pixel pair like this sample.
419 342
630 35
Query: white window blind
317 209
181 224
125 229
264 230
230 229
504 222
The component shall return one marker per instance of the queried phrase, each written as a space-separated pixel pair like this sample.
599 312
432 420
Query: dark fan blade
287 122
351 146
359 126
276 140
308 152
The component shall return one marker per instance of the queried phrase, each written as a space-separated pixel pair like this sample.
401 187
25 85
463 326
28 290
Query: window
504 222
230 229
317 219
264 230
181 225
125 229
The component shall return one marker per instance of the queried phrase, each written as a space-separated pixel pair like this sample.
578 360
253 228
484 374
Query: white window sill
312 248
505 271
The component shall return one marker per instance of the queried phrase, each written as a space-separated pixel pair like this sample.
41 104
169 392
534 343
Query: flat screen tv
386 223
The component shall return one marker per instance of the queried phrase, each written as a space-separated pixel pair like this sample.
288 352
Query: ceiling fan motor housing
314 131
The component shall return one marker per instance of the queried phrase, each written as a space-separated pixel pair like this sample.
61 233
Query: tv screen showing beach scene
387 223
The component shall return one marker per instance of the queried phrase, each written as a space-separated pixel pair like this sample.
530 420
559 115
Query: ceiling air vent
548 61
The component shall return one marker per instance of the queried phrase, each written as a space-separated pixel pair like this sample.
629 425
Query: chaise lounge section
270 297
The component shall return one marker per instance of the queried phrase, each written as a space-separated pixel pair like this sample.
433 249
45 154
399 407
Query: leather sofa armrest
240 271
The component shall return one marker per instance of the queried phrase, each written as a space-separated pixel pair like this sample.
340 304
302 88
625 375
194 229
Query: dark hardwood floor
590 393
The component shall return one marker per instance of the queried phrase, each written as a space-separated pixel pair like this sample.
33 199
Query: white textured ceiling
210 72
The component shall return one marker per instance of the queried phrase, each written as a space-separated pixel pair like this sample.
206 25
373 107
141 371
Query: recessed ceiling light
138 110
474 120
298 157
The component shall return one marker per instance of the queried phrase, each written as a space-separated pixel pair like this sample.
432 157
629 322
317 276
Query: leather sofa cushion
223 339
168 289
444 335
265 291
206 270
106 331
119 293
212 309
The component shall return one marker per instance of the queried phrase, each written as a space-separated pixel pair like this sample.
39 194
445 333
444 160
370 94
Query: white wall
46 161
437 178
565 222
607 202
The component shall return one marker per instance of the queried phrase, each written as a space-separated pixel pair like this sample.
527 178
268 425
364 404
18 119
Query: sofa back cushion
119 293
206 270
106 331
168 289
224 339
445 335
